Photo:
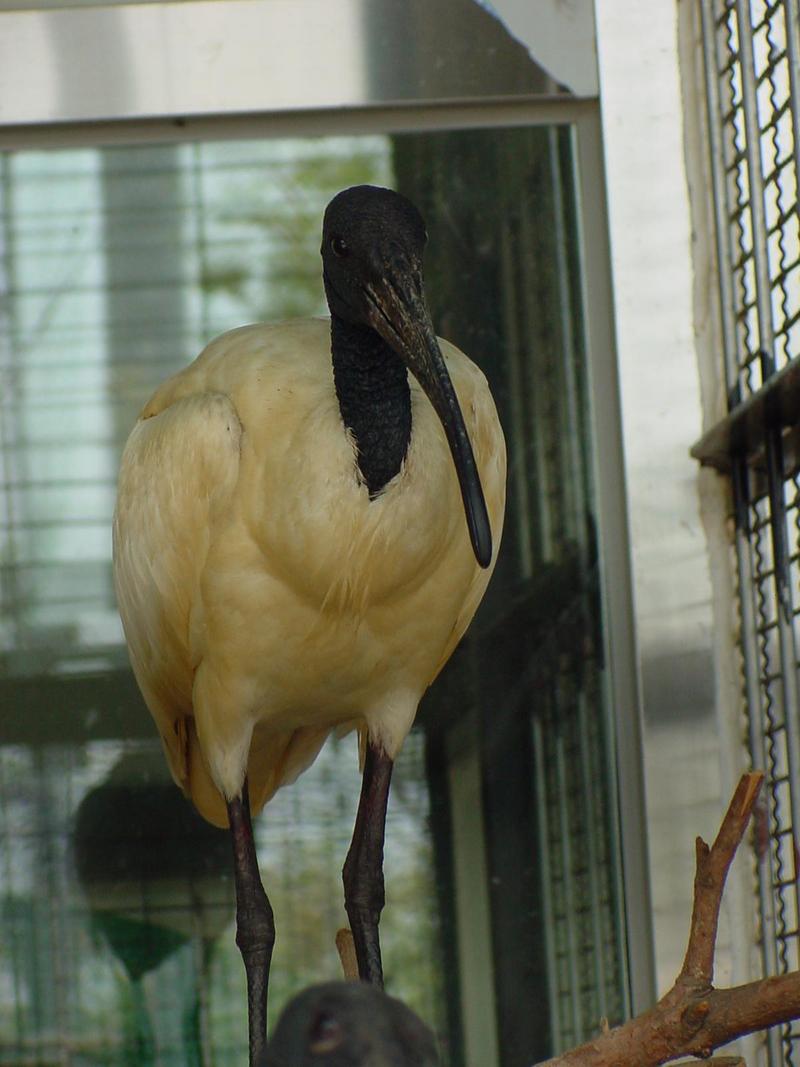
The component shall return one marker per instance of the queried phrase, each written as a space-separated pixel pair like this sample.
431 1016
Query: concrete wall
670 366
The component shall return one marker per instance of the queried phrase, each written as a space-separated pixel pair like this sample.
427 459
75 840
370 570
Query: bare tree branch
694 1018
709 881
715 1061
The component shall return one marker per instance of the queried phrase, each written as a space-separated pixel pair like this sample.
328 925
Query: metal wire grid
583 923
582 916
768 523
578 851
752 52
117 266
65 997
752 59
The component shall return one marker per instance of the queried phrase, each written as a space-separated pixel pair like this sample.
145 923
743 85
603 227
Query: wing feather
177 479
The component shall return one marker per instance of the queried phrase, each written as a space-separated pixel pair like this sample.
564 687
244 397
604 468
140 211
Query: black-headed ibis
291 554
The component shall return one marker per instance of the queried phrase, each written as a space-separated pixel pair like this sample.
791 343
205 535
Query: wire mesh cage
752 69
752 64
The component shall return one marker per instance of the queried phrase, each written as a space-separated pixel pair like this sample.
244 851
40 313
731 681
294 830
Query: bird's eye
340 247
326 1034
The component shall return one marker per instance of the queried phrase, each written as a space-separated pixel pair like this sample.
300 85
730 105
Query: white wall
665 292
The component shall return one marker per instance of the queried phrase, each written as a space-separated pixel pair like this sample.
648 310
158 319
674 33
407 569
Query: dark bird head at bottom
350 1024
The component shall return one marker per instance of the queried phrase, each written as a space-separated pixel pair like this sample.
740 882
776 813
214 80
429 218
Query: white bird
290 551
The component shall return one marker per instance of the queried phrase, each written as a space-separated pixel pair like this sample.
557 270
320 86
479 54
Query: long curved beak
398 312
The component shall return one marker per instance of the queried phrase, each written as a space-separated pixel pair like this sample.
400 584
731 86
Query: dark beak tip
481 537
424 359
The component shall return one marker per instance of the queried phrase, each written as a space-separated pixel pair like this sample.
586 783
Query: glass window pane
502 270
119 265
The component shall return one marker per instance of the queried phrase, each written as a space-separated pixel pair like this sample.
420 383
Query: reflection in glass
502 858
505 286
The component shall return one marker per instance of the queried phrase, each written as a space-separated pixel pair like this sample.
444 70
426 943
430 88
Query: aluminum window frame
582 114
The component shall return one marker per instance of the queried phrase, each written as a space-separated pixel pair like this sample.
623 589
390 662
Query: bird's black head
369 235
349 1024
372 245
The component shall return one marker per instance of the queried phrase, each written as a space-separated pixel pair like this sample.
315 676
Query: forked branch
694 1018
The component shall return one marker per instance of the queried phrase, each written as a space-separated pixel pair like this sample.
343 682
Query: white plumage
303 532
266 599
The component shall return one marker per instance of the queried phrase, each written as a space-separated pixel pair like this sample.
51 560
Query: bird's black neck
372 387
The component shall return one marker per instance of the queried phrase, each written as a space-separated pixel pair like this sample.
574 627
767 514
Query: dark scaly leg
255 929
363 869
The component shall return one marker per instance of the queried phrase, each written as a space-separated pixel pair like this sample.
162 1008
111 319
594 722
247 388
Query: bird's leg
363 869
255 929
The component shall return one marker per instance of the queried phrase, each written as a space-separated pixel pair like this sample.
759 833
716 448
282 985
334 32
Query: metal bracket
776 405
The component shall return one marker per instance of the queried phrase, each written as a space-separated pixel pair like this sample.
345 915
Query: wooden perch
346 948
694 1018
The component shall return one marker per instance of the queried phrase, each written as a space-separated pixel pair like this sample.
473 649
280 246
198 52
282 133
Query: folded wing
177 482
